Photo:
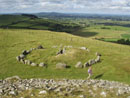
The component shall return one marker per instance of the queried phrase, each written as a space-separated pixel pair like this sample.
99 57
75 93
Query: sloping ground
10 19
29 22
114 63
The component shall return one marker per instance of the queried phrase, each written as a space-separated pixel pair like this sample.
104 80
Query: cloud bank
68 6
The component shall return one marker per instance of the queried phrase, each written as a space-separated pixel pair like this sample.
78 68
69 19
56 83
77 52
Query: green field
114 64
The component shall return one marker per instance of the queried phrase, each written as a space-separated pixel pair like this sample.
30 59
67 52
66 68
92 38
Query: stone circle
21 58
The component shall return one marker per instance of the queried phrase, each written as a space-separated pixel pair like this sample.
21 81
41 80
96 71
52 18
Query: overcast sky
67 6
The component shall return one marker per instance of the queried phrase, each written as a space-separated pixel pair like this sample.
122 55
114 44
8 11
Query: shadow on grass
99 76
85 34
68 66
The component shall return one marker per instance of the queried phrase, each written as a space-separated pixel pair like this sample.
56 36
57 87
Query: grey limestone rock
33 64
42 64
91 62
61 66
86 64
18 58
40 47
79 65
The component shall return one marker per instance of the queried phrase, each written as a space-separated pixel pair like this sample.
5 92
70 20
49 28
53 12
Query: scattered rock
60 52
22 61
18 58
61 66
26 61
22 56
64 87
43 92
13 78
79 65
97 59
42 65
103 94
86 64
14 93
98 54
64 50
29 62
24 52
83 48
40 47
82 96
91 62
33 64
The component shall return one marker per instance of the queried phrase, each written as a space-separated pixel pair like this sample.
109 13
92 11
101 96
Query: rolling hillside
114 63
21 35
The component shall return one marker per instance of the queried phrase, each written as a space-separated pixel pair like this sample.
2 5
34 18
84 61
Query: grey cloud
65 6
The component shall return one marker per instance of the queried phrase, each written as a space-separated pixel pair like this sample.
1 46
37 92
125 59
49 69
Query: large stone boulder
64 50
24 52
61 66
86 64
29 62
79 65
22 56
60 51
22 61
97 59
33 64
13 78
98 54
42 65
91 62
18 58
83 48
40 47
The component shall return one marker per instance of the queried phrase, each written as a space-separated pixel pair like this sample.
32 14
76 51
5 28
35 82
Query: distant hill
29 21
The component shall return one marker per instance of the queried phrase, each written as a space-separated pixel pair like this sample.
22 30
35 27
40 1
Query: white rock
41 65
33 64
103 94
83 48
12 93
82 96
43 92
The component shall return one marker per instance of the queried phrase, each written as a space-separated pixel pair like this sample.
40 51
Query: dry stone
40 47
29 62
98 54
86 64
33 64
22 61
79 65
18 58
83 48
42 65
24 52
97 59
22 56
61 66
91 62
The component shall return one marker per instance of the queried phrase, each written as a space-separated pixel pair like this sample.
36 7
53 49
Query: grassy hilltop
114 65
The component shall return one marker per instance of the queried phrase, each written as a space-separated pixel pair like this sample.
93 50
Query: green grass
9 19
114 63
126 36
